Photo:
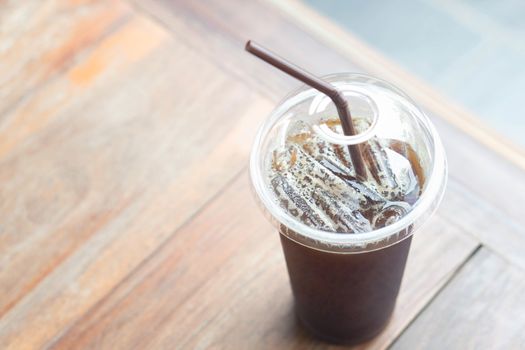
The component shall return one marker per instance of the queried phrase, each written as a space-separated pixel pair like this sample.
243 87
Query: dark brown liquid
345 298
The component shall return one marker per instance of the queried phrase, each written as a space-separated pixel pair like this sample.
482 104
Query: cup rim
427 202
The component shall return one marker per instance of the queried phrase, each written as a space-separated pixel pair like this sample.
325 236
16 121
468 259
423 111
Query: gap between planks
454 274
148 258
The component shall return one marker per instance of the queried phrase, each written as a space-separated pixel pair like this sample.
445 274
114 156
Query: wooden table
126 219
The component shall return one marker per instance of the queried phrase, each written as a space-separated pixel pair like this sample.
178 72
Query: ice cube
292 201
345 219
390 213
377 161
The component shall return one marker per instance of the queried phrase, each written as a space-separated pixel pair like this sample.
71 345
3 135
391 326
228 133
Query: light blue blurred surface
473 51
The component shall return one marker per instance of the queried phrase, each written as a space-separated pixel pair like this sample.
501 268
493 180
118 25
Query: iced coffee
346 238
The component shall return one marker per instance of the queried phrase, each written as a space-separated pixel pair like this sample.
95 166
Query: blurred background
472 51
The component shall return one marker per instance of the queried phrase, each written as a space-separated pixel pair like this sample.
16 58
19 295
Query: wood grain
484 221
219 33
65 30
482 308
120 167
116 229
221 281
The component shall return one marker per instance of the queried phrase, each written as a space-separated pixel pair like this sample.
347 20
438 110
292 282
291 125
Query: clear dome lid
303 174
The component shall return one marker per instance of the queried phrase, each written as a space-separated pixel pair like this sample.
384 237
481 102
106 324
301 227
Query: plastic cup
345 285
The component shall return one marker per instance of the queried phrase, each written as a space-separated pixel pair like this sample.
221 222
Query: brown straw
326 88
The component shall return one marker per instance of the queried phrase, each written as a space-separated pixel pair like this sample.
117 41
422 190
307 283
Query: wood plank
484 221
44 104
221 281
134 152
482 308
116 175
33 213
483 172
66 31
219 31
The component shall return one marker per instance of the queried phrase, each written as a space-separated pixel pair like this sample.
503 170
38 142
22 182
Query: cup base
339 340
